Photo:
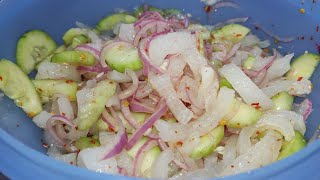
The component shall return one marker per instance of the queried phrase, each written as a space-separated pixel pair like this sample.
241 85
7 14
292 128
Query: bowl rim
53 165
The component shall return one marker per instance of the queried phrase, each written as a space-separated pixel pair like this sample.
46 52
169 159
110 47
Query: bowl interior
281 17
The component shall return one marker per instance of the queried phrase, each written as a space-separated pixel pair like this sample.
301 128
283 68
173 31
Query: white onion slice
160 167
249 91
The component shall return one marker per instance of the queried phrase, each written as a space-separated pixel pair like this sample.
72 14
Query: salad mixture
152 95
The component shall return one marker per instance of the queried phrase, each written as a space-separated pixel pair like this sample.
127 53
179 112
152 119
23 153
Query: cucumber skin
72 33
17 86
293 146
207 144
74 58
23 59
303 66
108 22
47 88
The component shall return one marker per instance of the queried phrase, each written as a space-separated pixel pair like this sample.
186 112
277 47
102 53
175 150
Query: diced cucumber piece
149 158
47 88
89 112
249 62
72 33
101 125
121 57
208 143
78 40
303 66
225 82
133 151
218 64
109 22
283 101
231 32
290 147
33 47
86 142
74 58
17 86
204 33
48 58
245 116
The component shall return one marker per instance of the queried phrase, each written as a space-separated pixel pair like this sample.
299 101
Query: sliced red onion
148 124
271 34
304 108
96 69
232 52
127 114
153 136
157 26
223 4
115 116
133 88
90 49
136 106
120 143
50 124
107 118
139 156
147 65
149 15
144 91
252 73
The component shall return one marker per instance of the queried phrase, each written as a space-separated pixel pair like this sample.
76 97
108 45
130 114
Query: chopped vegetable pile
153 95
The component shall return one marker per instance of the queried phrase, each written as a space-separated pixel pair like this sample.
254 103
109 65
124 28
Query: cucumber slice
133 151
208 143
78 40
109 22
17 86
47 88
290 147
224 82
120 57
72 33
86 142
32 48
249 62
283 101
303 66
231 32
90 110
245 116
149 158
74 58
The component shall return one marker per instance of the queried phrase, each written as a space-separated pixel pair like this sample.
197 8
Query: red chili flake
232 166
179 143
1 78
299 78
110 82
69 81
71 162
318 47
255 104
110 129
76 127
207 9
257 107
45 145
317 28
64 145
93 141
238 35
279 139
63 114
258 132
176 132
